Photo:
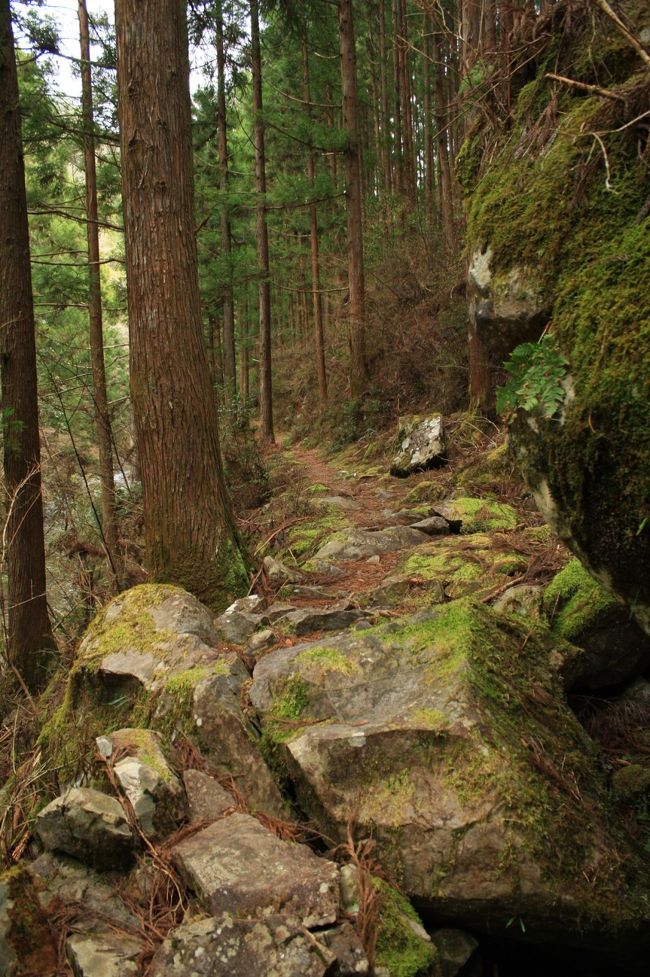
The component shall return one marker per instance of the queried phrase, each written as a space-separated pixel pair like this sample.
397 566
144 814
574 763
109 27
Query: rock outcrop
447 735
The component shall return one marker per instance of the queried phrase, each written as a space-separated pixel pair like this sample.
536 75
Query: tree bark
266 388
317 304
29 637
100 398
189 529
441 116
229 367
356 285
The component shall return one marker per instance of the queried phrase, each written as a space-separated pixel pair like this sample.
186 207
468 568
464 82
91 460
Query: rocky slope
370 766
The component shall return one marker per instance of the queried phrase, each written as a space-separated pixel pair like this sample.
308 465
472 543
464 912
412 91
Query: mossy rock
404 948
303 539
425 491
152 644
546 201
461 567
448 735
481 515
613 648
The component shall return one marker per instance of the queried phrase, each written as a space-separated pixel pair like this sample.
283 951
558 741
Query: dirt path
375 499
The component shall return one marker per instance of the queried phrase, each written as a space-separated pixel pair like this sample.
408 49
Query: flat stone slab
311 619
277 946
434 526
358 544
89 825
236 865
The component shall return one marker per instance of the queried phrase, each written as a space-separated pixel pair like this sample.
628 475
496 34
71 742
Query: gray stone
206 798
89 825
426 728
261 641
342 941
507 307
422 444
236 865
148 781
64 880
357 544
141 638
455 948
104 954
279 574
240 620
229 741
433 526
276 611
401 587
311 592
311 619
335 502
277 946
524 599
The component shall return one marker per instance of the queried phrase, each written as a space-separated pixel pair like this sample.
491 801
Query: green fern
535 383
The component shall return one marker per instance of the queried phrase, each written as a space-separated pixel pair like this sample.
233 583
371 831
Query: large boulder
359 544
151 659
422 445
537 200
447 735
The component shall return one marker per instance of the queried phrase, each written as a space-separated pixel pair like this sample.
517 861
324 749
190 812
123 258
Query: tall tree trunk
356 285
410 181
429 171
383 80
29 636
100 398
317 303
226 235
266 389
441 116
189 529
398 148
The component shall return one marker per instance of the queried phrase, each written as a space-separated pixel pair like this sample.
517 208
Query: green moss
400 949
574 602
328 660
125 625
427 491
318 489
304 539
483 515
475 567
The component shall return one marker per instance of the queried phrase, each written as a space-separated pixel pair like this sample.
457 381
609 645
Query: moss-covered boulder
447 734
151 658
564 215
476 565
613 646
478 515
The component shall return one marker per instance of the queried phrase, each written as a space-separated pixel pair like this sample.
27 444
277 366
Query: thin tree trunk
100 398
383 80
189 529
226 235
29 637
441 116
356 285
399 182
317 304
266 389
429 171
407 121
